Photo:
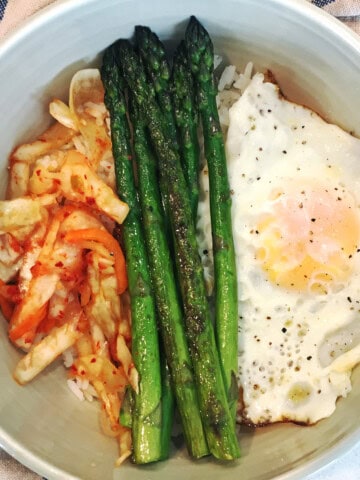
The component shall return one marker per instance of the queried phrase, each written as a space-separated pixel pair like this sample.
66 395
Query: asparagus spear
218 424
167 409
154 59
186 121
200 50
153 54
167 298
127 407
175 97
146 423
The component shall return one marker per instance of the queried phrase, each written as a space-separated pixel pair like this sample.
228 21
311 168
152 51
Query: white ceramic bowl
316 61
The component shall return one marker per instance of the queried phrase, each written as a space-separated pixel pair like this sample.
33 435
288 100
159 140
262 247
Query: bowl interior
316 62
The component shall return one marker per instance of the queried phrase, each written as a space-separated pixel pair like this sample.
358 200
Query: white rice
80 387
231 86
90 393
228 78
68 357
217 61
75 389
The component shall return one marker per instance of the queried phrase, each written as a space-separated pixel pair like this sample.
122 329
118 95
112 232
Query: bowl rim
60 7
39 20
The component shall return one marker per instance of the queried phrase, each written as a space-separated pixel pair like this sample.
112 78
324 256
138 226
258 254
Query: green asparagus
217 420
186 117
167 298
146 423
167 409
127 408
201 55
153 55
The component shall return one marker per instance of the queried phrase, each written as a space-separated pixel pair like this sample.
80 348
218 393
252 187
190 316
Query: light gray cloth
10 469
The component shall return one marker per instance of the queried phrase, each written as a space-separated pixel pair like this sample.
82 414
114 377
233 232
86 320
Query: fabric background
12 14
348 11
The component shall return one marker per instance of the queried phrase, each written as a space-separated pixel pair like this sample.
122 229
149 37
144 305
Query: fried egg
295 184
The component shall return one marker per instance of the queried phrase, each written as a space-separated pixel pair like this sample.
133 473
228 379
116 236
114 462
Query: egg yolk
308 238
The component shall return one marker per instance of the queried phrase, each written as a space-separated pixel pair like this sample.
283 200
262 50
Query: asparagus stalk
217 420
153 55
167 298
127 407
186 121
167 409
146 423
154 59
200 50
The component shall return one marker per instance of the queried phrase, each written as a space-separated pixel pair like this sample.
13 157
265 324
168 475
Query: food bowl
316 61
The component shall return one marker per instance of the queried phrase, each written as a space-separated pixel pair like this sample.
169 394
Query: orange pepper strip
104 237
6 306
85 294
29 324
47 324
11 293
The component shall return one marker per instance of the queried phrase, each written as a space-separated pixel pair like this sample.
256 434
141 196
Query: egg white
296 346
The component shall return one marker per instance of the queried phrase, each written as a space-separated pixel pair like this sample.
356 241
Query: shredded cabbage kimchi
63 277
